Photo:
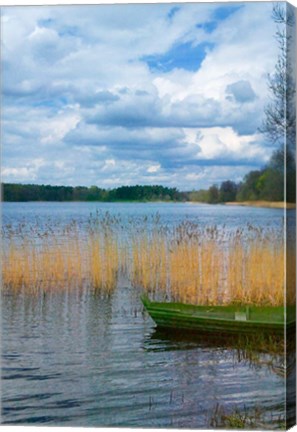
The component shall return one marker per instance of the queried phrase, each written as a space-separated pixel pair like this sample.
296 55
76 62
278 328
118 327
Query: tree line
32 192
264 184
267 184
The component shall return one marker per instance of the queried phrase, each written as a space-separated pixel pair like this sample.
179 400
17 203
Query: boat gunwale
230 320
163 308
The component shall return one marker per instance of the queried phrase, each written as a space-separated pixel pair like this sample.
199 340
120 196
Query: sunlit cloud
135 94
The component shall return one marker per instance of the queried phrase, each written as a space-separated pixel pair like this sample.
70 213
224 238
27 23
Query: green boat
221 319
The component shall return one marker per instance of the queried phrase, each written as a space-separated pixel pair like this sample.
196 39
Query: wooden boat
221 319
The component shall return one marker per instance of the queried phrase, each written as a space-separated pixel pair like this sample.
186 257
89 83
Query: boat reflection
256 349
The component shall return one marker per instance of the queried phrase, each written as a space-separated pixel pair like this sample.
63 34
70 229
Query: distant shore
268 204
260 204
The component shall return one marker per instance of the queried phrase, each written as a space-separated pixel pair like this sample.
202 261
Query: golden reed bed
188 263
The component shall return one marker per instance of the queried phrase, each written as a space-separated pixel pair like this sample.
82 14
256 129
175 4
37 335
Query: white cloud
225 143
19 174
109 165
153 168
23 173
54 129
79 94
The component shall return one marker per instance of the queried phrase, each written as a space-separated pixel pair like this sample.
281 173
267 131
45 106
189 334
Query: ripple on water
93 361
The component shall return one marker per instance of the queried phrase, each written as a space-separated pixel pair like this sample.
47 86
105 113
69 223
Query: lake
79 358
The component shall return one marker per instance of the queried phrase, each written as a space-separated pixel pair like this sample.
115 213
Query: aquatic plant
47 257
186 262
211 266
244 418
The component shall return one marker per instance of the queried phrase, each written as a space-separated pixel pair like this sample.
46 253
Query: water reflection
77 357
255 350
180 339
83 359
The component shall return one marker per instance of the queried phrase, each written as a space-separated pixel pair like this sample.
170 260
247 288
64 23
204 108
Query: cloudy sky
169 94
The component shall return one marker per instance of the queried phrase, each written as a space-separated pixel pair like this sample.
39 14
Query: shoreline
263 204
259 204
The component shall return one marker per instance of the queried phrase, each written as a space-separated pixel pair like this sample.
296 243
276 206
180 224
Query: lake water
169 213
78 358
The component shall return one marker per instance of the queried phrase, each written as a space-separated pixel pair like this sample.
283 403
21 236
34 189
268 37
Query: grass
186 263
236 418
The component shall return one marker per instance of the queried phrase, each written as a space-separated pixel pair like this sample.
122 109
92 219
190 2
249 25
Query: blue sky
135 94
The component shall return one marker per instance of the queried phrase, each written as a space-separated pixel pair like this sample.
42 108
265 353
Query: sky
112 95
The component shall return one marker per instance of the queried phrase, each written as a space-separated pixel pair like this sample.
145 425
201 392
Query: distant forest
30 192
265 184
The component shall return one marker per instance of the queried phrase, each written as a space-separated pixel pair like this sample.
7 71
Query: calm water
77 358
169 213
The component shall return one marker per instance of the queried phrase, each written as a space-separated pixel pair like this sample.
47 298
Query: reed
209 266
42 260
254 418
186 263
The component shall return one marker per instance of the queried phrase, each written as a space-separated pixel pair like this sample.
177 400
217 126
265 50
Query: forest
31 192
267 183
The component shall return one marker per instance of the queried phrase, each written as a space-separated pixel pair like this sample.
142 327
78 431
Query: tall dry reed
186 263
44 260
211 266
